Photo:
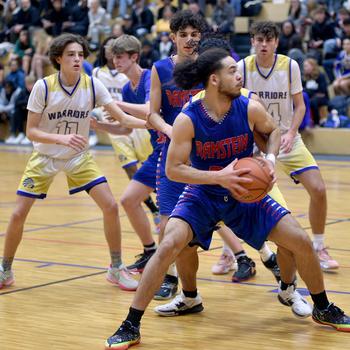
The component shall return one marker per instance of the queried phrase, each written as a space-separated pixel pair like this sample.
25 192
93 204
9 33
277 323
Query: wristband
271 157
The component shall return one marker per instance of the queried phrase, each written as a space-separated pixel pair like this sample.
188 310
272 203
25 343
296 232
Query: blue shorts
146 174
251 222
168 192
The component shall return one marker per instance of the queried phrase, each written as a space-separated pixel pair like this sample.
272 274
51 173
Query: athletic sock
150 205
265 252
134 316
240 254
318 241
320 300
147 248
190 294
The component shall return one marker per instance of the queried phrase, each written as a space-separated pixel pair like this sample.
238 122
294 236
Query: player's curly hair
268 29
60 43
190 73
186 18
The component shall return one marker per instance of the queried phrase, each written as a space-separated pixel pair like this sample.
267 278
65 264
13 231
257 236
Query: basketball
260 177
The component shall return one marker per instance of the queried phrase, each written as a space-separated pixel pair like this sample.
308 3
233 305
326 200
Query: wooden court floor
61 300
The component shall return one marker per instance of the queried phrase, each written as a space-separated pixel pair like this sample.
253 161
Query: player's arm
177 168
154 117
112 128
137 110
126 120
75 141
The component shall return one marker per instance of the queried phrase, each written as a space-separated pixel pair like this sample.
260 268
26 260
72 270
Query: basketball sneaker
168 288
125 336
333 316
140 263
225 264
291 297
326 261
6 278
246 269
271 264
156 221
121 277
180 305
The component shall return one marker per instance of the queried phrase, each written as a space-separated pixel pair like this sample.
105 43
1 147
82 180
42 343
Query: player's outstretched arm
126 120
112 128
75 141
137 110
154 118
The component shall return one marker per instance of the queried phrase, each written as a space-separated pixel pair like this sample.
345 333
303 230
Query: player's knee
18 216
168 250
111 208
319 191
127 202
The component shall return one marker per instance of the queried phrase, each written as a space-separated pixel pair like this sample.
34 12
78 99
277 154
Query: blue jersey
140 96
216 145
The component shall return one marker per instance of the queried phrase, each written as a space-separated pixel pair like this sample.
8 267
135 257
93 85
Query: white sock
318 241
265 252
172 270
227 250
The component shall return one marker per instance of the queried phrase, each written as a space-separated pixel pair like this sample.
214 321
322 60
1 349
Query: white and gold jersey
112 80
65 109
275 86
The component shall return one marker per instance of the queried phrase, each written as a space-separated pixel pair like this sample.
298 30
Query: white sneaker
6 278
291 297
93 140
26 141
225 264
10 140
19 138
122 277
180 305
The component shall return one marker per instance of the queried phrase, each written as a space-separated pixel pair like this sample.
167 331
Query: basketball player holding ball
204 133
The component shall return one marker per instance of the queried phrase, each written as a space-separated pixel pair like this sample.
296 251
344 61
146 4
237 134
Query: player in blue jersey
225 120
166 102
135 101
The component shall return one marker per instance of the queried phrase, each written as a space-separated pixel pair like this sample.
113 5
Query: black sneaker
140 263
126 336
246 269
333 316
272 265
168 288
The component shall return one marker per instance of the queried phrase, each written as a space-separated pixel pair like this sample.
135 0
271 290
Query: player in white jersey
276 80
130 146
59 109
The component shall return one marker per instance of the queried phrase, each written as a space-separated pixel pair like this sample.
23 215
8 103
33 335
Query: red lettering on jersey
199 149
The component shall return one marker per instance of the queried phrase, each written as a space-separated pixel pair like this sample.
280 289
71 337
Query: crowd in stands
316 34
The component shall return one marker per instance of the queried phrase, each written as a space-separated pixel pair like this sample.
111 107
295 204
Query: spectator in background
166 3
9 11
127 25
20 114
123 6
164 46
2 75
142 18
78 22
163 24
16 75
54 18
341 84
27 17
148 55
117 30
321 30
8 97
315 85
298 14
223 18
24 50
98 23
40 59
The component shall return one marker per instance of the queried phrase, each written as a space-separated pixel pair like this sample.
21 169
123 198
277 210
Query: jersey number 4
274 110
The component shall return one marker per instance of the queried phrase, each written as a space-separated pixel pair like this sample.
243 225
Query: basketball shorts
251 222
147 173
82 174
298 160
132 148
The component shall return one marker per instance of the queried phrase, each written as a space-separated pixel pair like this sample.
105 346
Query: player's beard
227 92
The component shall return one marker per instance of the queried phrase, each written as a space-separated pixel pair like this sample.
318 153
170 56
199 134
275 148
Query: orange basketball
261 179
